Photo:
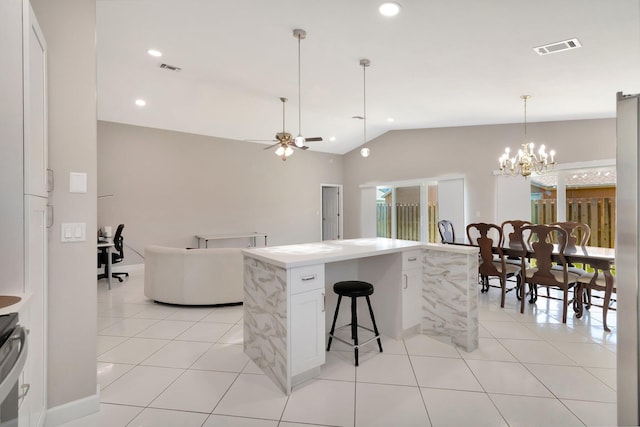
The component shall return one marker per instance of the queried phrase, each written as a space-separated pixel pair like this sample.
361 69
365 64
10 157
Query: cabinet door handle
307 278
25 390
324 302
413 258
49 216
49 180
406 281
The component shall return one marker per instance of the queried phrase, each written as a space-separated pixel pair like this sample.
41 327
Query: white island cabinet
288 293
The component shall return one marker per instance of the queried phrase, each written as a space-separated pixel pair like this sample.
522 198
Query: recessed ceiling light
391 119
154 52
389 8
332 138
141 102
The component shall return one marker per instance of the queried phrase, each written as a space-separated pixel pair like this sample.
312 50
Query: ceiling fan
284 139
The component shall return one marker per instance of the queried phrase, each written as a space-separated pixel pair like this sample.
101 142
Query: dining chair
537 242
447 233
577 235
511 231
488 238
594 281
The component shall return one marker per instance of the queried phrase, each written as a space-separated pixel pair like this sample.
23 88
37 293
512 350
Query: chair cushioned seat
575 270
510 268
600 281
353 288
558 274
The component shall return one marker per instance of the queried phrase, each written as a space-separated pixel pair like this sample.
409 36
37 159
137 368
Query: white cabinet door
307 331
35 285
411 288
411 297
35 105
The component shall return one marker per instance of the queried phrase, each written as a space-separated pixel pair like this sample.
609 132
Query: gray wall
168 186
69 27
472 151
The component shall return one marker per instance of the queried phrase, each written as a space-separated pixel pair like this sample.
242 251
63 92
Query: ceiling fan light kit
284 140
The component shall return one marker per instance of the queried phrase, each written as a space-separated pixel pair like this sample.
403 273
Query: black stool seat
354 289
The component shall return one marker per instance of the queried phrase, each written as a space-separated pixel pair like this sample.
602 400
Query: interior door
330 213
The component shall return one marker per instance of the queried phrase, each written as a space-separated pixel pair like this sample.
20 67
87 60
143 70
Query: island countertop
303 254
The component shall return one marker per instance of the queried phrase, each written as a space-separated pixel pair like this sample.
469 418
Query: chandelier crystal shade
526 161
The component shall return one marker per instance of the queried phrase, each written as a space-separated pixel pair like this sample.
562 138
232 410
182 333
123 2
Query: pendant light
364 151
299 140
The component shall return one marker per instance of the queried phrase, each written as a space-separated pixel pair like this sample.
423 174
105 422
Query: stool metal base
350 343
354 327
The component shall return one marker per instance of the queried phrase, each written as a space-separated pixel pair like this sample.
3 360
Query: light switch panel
73 232
77 182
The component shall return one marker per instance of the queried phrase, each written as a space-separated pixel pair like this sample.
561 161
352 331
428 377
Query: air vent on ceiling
170 67
557 47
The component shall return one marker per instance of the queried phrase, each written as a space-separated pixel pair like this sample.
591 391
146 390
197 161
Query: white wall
69 27
471 151
169 186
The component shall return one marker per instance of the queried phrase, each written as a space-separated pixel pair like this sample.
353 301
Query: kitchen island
419 288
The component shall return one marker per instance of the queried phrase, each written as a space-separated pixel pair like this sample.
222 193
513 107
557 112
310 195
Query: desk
250 235
106 246
287 292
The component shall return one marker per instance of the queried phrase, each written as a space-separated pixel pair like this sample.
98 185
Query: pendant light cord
299 96
364 97
525 119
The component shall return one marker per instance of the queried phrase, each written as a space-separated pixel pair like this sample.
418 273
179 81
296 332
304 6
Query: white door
330 213
35 285
35 107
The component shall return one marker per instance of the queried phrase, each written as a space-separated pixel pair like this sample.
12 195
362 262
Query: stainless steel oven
13 354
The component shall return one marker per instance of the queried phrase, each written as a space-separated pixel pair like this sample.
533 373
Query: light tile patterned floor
162 365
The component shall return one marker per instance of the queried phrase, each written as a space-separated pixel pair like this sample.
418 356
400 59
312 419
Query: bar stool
354 289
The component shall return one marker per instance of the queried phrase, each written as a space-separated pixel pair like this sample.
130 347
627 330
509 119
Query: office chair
117 255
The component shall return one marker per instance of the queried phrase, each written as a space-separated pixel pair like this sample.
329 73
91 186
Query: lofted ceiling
438 63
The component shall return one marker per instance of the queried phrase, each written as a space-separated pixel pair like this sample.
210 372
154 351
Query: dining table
600 259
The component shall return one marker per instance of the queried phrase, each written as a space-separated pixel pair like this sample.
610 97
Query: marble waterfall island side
288 292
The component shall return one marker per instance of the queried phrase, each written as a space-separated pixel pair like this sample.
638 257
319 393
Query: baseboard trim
70 411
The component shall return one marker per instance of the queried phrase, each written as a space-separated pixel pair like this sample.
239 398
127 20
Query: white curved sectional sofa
193 276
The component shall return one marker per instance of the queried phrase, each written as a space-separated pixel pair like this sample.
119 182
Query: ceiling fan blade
271 146
315 138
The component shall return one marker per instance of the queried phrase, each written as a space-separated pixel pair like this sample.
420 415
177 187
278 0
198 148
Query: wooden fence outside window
598 213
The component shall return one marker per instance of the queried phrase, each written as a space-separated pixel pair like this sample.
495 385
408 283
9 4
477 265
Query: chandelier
526 162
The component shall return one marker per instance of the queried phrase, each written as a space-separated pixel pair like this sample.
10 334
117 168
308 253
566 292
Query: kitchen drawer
411 259
308 278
